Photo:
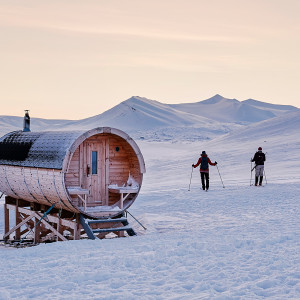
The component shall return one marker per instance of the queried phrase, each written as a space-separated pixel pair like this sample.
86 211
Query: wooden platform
124 193
31 221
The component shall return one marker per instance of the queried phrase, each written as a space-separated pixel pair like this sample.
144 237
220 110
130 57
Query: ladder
85 223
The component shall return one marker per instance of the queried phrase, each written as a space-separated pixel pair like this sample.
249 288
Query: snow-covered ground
237 242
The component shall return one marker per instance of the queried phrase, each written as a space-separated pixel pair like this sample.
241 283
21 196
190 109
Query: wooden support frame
30 219
123 191
78 191
17 227
41 227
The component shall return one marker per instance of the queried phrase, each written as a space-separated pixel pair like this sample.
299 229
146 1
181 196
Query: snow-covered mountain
150 119
142 113
222 109
283 126
137 116
277 109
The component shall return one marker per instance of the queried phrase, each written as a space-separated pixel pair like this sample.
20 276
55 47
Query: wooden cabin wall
120 164
44 186
72 177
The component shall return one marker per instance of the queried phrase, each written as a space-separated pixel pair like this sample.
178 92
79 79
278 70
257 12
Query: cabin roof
45 149
51 149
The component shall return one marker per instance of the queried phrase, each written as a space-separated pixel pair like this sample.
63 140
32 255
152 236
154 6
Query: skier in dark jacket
259 159
203 161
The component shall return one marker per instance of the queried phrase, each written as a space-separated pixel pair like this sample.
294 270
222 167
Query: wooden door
94 171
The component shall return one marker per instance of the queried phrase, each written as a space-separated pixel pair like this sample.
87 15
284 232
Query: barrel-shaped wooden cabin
97 173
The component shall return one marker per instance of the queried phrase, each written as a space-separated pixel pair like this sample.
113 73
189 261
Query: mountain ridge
228 110
214 116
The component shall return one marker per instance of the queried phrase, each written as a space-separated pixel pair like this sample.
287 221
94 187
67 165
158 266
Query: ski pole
251 172
220 176
191 179
265 176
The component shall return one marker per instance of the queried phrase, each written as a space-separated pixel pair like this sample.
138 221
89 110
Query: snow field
237 242
224 244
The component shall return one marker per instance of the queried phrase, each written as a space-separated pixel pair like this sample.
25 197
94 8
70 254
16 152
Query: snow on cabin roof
45 149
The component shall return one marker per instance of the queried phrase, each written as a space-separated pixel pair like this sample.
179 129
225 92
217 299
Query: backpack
260 158
204 163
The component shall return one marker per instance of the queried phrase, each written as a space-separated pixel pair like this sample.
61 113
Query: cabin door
94 171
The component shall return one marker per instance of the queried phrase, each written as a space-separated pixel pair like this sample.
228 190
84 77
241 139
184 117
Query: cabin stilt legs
77 229
37 225
6 220
31 225
30 222
18 220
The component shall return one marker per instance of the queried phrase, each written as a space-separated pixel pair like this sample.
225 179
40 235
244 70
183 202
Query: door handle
88 170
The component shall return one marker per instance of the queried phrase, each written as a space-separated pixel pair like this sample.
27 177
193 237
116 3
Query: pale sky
74 59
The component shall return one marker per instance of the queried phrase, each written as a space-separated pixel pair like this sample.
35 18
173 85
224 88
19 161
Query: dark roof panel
36 149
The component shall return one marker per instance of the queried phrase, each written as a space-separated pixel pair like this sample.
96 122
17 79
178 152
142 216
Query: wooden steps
124 228
92 232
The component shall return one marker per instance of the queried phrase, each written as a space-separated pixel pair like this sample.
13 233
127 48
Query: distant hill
223 109
150 119
284 126
142 113
154 120
277 109
277 135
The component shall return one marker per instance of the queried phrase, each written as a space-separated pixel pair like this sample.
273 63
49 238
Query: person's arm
198 163
209 161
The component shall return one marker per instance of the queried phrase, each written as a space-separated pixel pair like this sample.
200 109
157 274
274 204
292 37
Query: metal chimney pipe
26 126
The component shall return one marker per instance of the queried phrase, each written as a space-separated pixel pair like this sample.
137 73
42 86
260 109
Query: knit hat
259 148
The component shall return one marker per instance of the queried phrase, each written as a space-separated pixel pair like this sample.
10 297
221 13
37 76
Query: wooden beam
18 226
17 221
53 230
25 230
36 237
77 228
59 229
83 200
6 218
21 209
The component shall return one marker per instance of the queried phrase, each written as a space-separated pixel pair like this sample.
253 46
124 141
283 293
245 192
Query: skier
259 159
203 161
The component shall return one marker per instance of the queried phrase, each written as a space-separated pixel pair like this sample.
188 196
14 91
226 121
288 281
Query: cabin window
117 149
94 162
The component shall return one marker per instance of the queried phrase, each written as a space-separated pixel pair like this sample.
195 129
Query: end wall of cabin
119 160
